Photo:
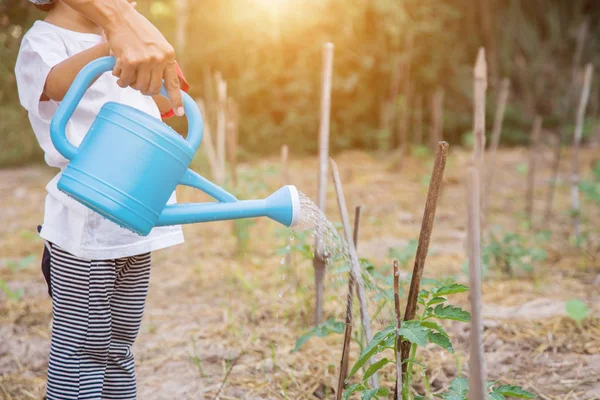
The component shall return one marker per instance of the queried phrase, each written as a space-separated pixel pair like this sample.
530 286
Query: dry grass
208 310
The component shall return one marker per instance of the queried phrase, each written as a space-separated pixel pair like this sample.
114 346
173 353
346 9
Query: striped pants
97 308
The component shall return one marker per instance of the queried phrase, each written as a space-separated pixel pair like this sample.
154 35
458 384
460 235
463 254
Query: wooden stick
398 390
557 155
319 260
496 132
232 138
583 101
180 30
579 46
285 180
344 364
207 142
480 87
424 236
476 363
355 267
209 97
221 125
533 155
418 139
403 116
437 117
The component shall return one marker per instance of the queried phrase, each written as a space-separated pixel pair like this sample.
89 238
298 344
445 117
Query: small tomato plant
459 390
433 307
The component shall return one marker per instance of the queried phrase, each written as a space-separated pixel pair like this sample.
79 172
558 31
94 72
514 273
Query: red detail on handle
185 86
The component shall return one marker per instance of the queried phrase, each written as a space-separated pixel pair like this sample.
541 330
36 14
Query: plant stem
349 319
398 348
408 376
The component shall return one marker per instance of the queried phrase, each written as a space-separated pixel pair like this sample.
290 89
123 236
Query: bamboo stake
355 267
533 155
232 138
180 30
403 119
344 364
496 132
583 101
319 260
418 139
285 178
398 390
437 117
579 46
209 97
555 168
480 86
221 125
207 142
476 363
424 236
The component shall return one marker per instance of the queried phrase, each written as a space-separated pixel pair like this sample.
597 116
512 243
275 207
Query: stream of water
333 245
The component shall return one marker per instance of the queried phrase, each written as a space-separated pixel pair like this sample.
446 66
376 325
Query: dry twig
355 267
344 364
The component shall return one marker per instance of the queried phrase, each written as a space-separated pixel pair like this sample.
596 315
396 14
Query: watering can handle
81 83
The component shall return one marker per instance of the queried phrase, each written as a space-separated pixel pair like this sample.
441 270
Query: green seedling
433 307
13 295
21 263
326 328
195 358
510 252
576 310
242 234
459 390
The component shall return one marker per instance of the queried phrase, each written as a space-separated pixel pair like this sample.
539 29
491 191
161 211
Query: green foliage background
269 51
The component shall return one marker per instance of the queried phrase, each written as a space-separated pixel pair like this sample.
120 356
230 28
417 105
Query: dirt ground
221 325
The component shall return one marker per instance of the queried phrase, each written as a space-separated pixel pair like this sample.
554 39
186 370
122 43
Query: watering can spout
282 206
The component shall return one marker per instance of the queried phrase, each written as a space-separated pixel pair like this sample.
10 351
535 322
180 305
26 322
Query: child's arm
61 77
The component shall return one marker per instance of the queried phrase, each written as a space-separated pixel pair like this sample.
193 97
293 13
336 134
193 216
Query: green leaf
450 289
435 326
441 340
451 312
436 300
459 385
375 367
414 332
577 310
496 396
458 390
374 347
514 391
351 389
368 394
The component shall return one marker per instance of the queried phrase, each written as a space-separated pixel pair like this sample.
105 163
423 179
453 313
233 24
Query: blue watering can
129 163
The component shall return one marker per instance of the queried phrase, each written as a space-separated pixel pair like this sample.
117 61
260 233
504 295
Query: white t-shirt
67 223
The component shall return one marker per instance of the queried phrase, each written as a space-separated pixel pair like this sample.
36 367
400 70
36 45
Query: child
99 272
